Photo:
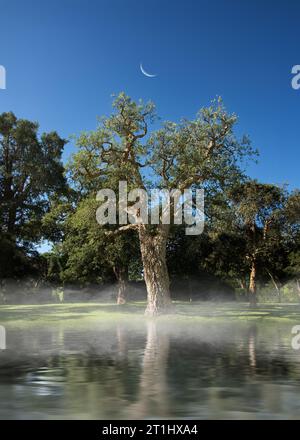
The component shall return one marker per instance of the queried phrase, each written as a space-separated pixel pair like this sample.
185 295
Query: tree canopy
31 172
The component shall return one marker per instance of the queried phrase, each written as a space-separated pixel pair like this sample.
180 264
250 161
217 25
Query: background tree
87 255
30 173
292 216
90 255
258 210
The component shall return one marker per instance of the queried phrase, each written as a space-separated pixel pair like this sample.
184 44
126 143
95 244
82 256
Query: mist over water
136 368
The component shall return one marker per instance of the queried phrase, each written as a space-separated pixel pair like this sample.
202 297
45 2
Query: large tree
30 173
177 156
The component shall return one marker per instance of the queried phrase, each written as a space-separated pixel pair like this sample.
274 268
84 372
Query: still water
162 369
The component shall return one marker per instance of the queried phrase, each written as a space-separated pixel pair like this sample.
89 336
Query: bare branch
121 229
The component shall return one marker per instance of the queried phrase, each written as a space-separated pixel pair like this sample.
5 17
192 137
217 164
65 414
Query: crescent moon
146 73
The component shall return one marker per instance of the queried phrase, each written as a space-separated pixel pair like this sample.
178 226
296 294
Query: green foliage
86 254
40 199
31 172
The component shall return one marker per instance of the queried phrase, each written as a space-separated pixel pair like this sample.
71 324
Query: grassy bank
134 311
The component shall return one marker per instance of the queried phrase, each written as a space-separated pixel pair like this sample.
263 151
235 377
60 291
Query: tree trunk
298 288
121 273
244 287
252 284
276 285
153 249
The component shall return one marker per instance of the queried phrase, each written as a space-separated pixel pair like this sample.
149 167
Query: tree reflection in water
151 369
153 395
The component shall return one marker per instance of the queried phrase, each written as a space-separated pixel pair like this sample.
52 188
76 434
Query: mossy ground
184 311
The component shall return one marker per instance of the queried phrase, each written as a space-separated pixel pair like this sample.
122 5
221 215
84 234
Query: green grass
184 311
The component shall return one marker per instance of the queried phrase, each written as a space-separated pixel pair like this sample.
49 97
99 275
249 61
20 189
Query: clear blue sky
65 58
